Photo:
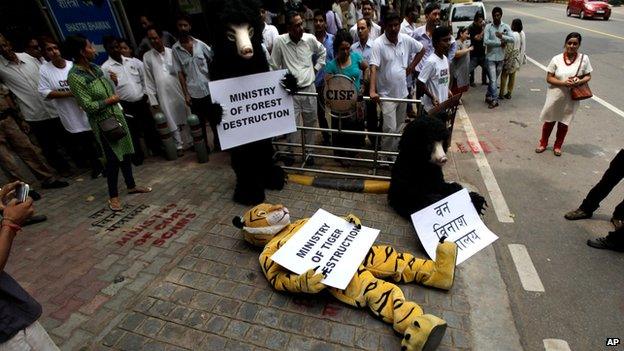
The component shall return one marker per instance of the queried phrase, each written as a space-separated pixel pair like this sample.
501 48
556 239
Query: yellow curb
300 179
376 186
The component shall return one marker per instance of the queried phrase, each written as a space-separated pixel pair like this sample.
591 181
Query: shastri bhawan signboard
93 19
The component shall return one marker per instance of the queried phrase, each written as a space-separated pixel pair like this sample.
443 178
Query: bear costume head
237 29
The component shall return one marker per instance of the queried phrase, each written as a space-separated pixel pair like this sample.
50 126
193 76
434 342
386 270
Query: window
465 13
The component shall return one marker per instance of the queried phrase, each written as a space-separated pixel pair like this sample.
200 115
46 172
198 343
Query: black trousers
610 179
142 125
83 150
51 136
201 107
320 114
112 169
474 63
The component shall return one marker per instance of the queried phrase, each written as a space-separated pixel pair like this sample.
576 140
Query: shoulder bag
580 92
112 129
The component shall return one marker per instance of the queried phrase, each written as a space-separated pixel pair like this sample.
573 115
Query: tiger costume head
262 223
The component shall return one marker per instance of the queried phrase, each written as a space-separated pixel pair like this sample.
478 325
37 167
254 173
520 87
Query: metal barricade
375 153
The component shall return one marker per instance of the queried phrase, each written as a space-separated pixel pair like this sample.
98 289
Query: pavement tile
203 288
217 324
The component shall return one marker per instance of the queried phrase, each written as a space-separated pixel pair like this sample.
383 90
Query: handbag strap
579 67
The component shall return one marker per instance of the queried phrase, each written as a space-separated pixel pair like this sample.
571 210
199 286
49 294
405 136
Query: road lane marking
565 24
526 270
556 345
496 195
612 108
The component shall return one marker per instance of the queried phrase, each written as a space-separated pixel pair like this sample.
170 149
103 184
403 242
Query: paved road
583 298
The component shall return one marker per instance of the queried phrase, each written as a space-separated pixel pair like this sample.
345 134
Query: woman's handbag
580 92
112 129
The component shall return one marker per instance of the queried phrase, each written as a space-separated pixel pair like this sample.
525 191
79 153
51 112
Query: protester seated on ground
19 312
350 64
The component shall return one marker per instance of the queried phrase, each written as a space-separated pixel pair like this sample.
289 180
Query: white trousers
394 114
305 112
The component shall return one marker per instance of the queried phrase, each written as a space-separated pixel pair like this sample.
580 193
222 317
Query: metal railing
374 161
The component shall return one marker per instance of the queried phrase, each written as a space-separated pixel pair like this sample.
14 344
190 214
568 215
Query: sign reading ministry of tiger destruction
333 246
255 107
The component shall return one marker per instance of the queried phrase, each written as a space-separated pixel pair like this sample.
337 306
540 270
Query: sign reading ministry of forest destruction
333 246
255 107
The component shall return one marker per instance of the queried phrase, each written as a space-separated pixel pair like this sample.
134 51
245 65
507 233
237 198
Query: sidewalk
172 273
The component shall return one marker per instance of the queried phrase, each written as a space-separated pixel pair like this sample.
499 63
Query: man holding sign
320 249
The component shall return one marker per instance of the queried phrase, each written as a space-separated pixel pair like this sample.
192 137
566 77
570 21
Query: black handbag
112 129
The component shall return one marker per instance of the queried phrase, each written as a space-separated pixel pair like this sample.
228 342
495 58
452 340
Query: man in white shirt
53 86
368 13
295 51
127 76
269 34
408 26
164 90
191 60
20 73
364 46
390 63
434 78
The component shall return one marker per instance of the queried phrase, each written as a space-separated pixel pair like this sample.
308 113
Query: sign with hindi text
455 218
255 107
330 243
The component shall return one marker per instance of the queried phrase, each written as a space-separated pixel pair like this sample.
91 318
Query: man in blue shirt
327 39
497 36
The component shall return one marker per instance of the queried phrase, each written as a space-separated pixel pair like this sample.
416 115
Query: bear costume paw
275 179
478 202
290 83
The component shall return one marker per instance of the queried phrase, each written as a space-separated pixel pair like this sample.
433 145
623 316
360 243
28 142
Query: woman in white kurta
559 106
164 90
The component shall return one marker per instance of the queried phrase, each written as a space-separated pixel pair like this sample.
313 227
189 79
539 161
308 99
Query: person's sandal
115 205
540 149
139 190
557 152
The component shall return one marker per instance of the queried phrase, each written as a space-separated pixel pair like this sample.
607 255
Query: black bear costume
253 163
417 179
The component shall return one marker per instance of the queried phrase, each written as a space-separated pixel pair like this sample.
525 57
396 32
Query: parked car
462 15
589 9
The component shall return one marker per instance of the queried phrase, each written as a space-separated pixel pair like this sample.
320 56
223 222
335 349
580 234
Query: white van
462 14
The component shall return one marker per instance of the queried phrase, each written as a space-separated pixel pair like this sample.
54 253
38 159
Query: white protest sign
456 218
329 242
255 107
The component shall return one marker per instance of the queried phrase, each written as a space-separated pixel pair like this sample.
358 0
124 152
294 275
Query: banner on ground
255 107
455 218
330 243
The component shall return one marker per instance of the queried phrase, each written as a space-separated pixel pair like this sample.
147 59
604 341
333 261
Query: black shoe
617 223
34 195
34 220
54 184
484 83
577 214
473 84
508 96
606 243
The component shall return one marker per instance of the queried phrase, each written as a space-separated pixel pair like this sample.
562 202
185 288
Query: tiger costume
269 226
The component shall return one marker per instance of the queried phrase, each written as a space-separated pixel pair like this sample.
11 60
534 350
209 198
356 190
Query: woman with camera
96 95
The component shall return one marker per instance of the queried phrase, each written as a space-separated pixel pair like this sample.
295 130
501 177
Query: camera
21 192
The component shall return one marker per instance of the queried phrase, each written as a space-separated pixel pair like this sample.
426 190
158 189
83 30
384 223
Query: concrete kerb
343 184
